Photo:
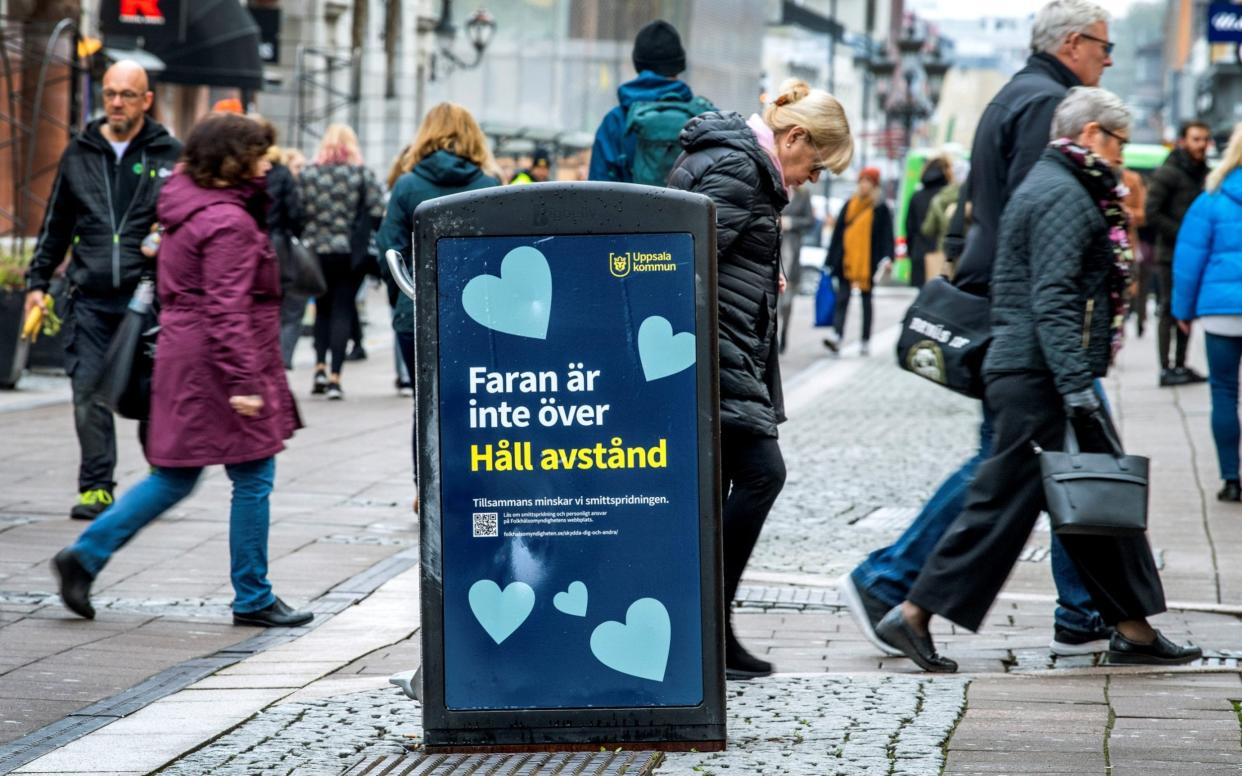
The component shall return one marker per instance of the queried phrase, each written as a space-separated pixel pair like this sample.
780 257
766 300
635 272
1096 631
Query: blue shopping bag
825 299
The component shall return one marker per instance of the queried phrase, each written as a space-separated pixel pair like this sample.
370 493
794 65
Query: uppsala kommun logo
141 12
619 264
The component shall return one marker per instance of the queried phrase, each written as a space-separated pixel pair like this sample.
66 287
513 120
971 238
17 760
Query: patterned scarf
1101 182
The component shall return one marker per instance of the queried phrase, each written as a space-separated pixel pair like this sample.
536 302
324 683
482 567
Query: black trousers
844 293
336 310
966 571
1167 331
752 474
89 326
292 308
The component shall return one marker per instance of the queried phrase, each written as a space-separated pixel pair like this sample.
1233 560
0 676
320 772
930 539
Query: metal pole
832 52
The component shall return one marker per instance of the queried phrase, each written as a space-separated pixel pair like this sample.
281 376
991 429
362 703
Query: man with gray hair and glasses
1058 290
1069 47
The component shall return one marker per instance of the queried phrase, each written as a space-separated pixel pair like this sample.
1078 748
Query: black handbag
1101 494
364 252
300 273
125 385
944 337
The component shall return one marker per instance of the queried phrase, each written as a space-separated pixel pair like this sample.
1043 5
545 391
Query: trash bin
568 432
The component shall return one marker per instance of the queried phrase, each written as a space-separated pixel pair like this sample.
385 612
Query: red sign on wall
142 12
150 19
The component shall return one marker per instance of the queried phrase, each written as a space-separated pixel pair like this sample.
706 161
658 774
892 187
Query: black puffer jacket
1012 133
1050 302
723 161
104 207
1173 187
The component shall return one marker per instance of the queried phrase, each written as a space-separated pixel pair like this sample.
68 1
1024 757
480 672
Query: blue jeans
249 518
1224 354
889 572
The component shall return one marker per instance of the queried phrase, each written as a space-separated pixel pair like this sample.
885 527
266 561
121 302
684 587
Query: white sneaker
854 602
864 349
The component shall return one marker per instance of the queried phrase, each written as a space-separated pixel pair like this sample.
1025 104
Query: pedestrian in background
101 208
1071 48
658 59
861 242
1058 304
538 171
937 174
337 190
219 393
405 381
1207 287
1135 203
796 220
1174 185
284 222
449 155
746 167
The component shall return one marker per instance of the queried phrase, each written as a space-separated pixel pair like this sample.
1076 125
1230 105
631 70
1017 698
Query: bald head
126 97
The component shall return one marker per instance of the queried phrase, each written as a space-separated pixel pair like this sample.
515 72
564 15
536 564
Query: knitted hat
658 48
870 173
541 157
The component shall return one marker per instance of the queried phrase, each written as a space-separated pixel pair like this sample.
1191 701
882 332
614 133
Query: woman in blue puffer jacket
1207 285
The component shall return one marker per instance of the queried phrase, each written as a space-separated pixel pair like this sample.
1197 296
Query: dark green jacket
438 175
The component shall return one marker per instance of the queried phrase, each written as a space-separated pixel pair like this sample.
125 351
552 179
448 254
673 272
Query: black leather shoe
894 630
740 664
1161 651
278 615
75 583
1231 492
1189 376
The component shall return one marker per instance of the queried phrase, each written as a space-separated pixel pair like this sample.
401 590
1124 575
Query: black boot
75 583
1231 492
740 664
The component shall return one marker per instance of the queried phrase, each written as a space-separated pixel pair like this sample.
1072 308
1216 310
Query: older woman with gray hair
1058 301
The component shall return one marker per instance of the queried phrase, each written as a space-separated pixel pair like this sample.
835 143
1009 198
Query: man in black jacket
101 208
1174 185
1071 48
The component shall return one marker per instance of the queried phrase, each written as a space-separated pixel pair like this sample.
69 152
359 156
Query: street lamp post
913 96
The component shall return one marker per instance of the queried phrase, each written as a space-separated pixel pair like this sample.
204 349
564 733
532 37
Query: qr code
485 524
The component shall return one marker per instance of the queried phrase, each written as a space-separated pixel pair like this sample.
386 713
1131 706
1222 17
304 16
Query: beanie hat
541 157
870 173
658 48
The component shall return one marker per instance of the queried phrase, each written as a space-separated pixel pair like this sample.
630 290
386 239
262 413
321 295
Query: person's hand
782 283
1184 326
1091 423
246 406
34 299
1082 404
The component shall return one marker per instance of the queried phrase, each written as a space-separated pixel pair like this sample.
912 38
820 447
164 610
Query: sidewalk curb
348 596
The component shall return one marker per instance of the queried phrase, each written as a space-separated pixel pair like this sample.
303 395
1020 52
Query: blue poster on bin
1224 23
569 472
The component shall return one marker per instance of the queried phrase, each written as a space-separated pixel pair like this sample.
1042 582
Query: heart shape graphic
639 647
660 352
501 613
519 302
573 601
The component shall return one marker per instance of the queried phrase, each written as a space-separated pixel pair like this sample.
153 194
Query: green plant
13 266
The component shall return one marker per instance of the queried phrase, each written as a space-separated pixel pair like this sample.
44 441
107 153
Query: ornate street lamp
480 28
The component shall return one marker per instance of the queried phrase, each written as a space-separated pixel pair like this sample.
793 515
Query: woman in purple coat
219 393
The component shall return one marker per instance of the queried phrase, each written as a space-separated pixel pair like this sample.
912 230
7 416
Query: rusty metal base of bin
541 763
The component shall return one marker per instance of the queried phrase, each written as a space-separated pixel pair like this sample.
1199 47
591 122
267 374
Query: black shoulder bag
364 252
1094 493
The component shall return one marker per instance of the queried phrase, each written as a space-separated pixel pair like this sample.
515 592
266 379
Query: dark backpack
657 125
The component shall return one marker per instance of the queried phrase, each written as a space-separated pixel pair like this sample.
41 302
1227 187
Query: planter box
49 352
12 347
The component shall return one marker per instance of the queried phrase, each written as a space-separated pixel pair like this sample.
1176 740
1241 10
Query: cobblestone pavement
861 458
803 724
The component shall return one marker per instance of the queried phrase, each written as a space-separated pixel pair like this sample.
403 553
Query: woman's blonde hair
1229 161
817 112
339 146
447 127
